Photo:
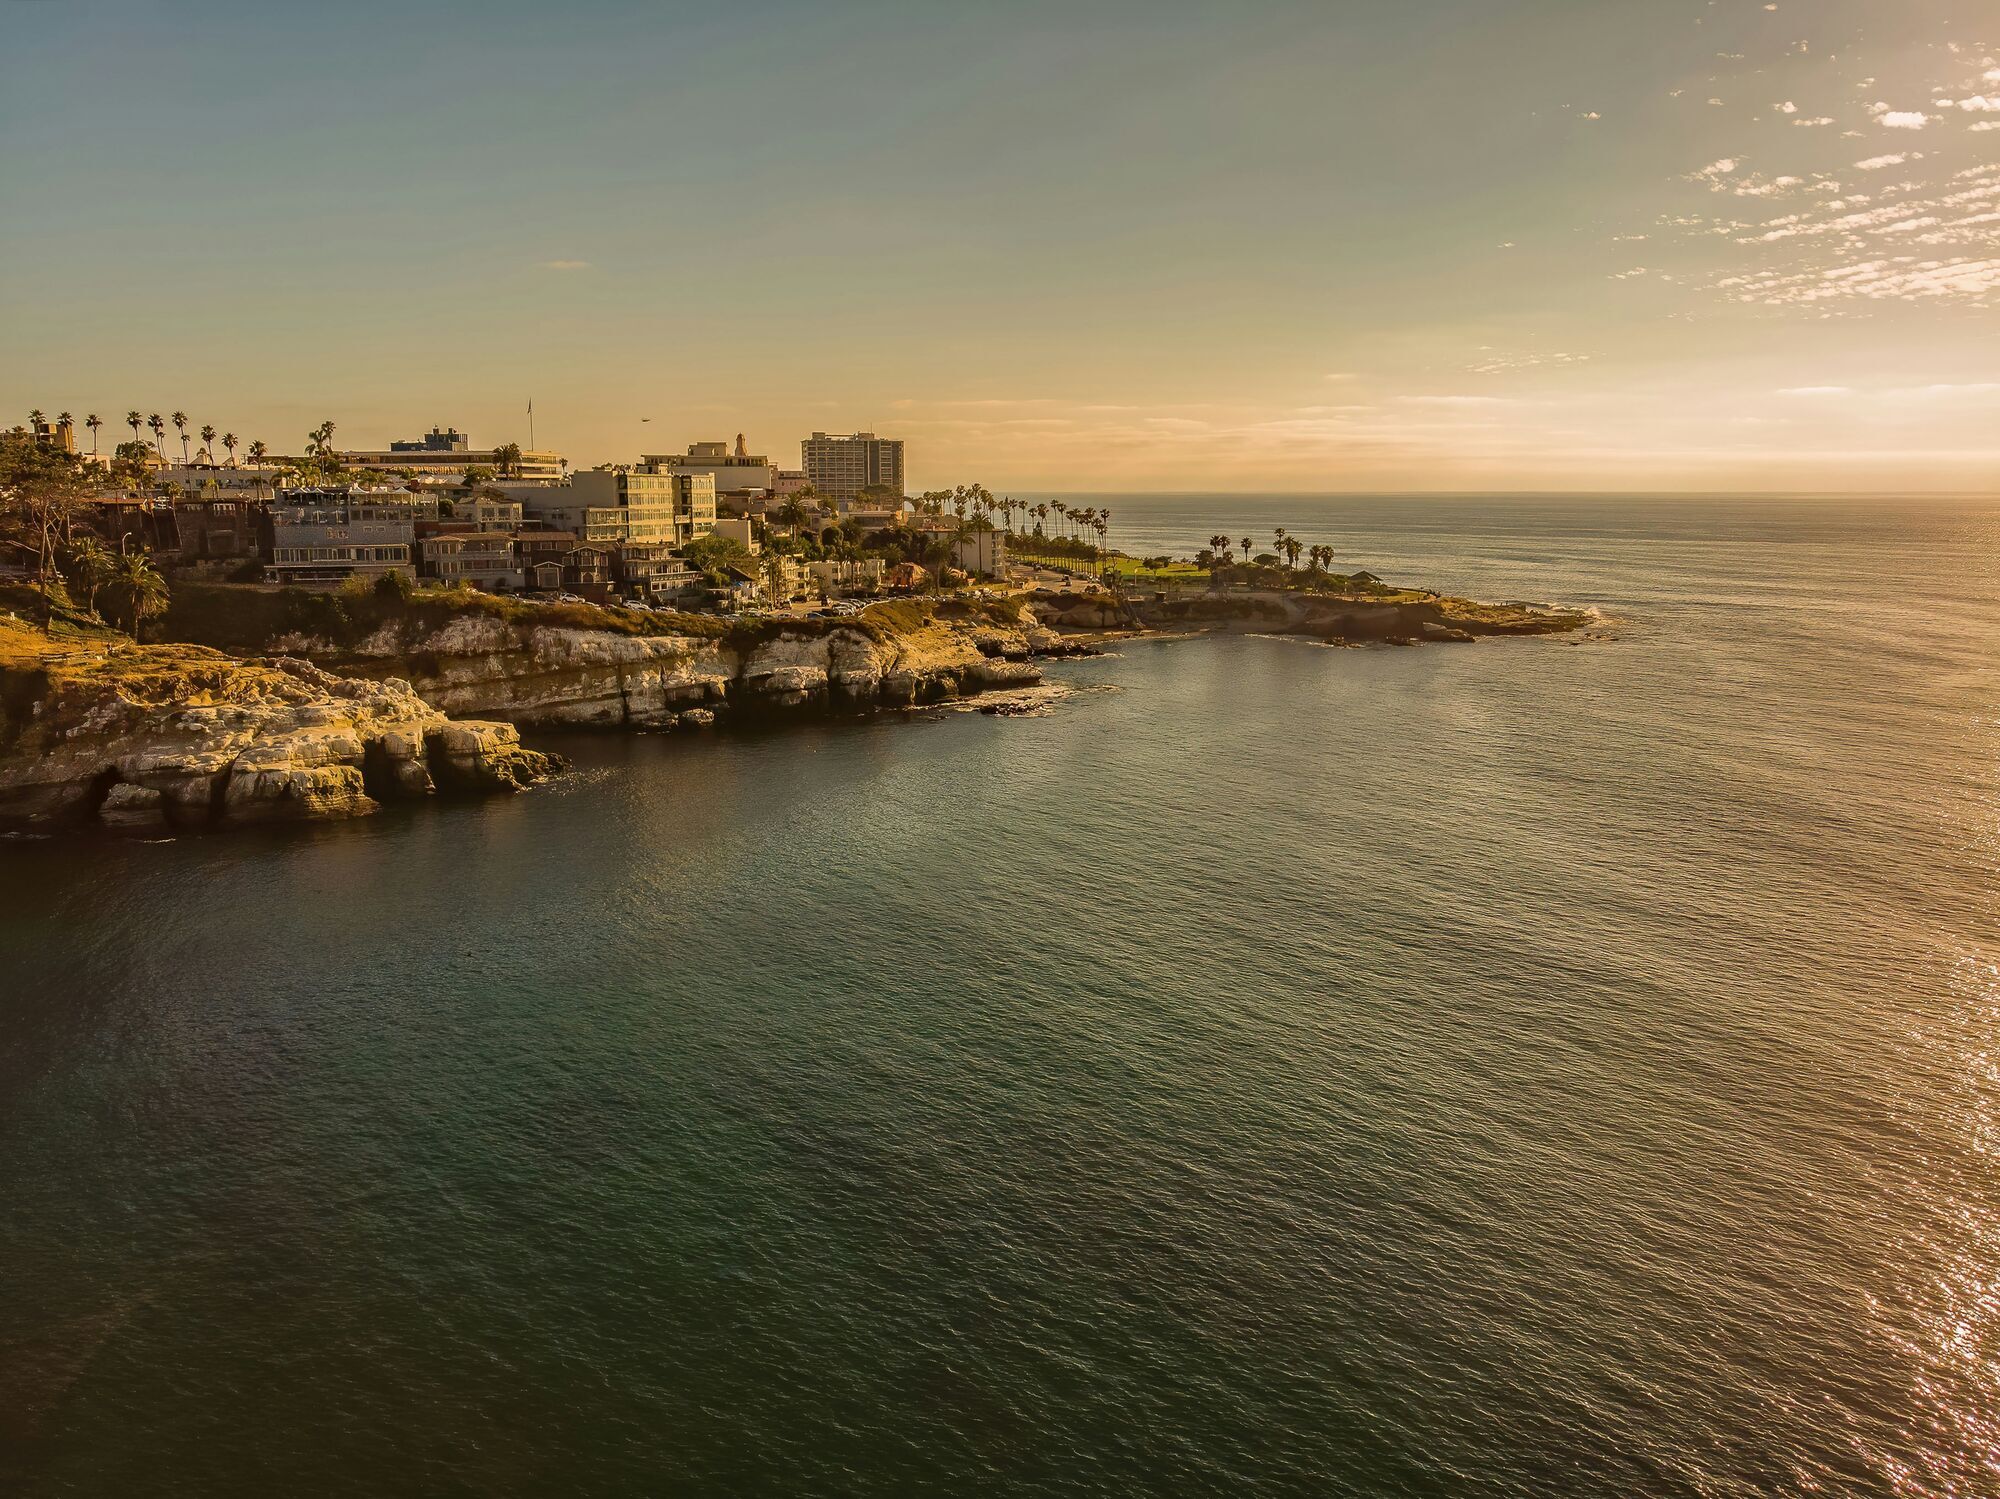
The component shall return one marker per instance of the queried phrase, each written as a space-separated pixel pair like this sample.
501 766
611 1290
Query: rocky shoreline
561 676
430 701
159 737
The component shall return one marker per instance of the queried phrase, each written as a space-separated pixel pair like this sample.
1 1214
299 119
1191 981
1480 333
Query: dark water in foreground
1521 1069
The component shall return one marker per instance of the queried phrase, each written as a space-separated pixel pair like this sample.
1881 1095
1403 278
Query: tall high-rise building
843 467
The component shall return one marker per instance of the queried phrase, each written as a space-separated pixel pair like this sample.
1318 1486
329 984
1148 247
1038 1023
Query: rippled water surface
1524 1069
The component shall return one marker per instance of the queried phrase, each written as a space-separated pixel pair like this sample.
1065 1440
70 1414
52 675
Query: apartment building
844 467
639 505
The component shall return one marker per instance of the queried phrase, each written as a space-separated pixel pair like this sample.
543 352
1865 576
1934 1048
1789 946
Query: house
587 568
654 570
483 559
147 520
219 525
319 538
863 576
906 576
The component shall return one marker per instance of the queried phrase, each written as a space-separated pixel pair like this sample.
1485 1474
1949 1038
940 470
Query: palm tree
64 419
94 421
137 588
90 568
229 447
1219 544
134 421
257 454
1292 547
1247 544
180 421
35 418
208 440
159 431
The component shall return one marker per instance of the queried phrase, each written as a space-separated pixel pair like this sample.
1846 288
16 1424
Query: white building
983 553
740 475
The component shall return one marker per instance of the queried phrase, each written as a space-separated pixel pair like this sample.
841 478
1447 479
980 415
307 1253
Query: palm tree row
1071 523
157 425
1319 558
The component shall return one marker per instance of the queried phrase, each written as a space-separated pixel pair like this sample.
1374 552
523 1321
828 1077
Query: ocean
1528 1068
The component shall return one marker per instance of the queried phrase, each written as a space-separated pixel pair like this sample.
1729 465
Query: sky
1374 245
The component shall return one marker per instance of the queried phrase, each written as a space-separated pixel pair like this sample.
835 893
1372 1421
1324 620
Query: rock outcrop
180 736
561 675
1395 618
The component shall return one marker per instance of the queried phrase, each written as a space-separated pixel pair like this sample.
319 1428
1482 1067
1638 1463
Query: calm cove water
1525 1069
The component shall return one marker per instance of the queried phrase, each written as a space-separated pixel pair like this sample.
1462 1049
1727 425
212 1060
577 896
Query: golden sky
1449 244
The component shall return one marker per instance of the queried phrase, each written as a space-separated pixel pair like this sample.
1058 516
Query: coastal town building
844 468
654 572
208 478
739 529
536 547
319 538
981 551
480 559
741 477
622 505
218 526
861 575
58 434
874 517
486 510
449 453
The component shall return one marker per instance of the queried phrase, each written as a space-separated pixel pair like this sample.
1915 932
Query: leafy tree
41 488
476 475
714 554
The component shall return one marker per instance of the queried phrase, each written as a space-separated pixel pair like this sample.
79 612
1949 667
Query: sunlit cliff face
1538 244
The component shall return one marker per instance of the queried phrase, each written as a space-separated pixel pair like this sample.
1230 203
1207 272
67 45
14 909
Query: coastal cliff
540 666
180 736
